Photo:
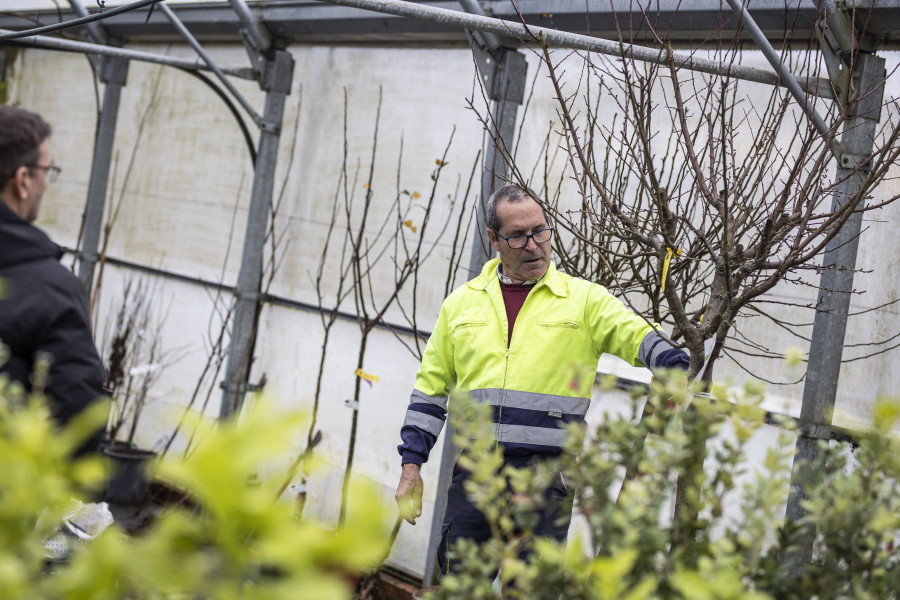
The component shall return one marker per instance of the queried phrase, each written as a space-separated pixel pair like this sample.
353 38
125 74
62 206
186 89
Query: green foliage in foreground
638 546
238 543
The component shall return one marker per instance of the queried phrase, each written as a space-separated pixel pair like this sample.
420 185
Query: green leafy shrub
637 545
236 543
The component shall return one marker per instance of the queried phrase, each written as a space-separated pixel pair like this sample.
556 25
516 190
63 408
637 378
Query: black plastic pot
127 482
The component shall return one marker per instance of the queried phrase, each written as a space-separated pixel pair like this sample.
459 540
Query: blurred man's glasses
52 171
515 242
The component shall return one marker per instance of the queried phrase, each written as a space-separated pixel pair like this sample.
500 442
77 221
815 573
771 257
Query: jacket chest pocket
562 324
559 331
464 325
469 342
467 330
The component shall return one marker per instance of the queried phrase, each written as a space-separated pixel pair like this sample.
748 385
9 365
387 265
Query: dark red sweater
513 297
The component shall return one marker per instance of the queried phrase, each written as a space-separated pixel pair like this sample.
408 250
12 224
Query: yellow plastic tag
669 253
366 376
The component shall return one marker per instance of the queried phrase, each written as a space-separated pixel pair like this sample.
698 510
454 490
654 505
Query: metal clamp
855 161
246 386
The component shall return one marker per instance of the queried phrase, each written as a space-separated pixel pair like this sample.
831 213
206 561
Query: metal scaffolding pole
563 39
787 78
277 84
50 43
507 93
95 30
192 41
113 74
256 41
252 31
275 69
835 287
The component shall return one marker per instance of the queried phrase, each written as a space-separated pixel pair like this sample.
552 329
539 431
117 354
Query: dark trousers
464 520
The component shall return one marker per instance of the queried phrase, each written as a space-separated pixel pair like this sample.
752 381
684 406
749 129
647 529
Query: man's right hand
409 493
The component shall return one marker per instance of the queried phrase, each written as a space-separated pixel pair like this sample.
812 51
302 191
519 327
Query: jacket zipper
506 365
502 400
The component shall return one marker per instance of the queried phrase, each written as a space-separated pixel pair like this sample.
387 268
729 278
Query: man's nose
530 244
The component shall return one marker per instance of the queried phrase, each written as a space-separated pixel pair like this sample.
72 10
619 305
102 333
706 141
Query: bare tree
695 198
401 240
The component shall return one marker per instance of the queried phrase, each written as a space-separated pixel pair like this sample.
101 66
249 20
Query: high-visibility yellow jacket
543 379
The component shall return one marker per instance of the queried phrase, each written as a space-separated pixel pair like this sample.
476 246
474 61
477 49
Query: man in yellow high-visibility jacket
525 339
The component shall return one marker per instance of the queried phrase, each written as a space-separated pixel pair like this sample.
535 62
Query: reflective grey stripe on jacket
432 425
546 428
426 421
418 396
651 347
541 436
512 435
532 401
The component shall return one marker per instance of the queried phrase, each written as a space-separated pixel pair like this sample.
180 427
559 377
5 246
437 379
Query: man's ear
15 190
493 237
19 184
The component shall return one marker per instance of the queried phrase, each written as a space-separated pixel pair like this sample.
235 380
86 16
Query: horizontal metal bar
265 298
562 39
50 43
696 23
85 20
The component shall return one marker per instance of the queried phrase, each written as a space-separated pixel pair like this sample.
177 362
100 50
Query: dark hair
511 193
21 134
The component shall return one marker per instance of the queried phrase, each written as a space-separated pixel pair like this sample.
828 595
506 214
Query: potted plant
133 358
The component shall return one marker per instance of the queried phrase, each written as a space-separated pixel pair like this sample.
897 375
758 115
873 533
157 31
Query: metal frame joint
278 74
114 70
251 295
270 127
855 161
509 80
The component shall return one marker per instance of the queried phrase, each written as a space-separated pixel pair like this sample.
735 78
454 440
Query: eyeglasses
52 171
541 236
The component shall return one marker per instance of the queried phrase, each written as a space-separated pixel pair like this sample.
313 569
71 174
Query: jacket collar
22 242
551 279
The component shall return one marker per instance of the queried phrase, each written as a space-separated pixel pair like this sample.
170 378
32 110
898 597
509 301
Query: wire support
79 21
192 41
248 139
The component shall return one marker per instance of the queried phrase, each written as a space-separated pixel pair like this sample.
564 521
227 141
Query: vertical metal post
114 74
507 92
277 83
836 284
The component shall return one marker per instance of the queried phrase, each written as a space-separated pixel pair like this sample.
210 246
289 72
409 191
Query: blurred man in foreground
43 308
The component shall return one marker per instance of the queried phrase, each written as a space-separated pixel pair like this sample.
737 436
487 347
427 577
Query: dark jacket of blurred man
43 307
